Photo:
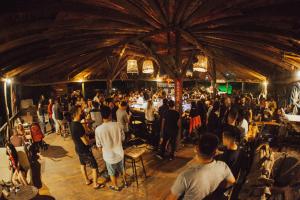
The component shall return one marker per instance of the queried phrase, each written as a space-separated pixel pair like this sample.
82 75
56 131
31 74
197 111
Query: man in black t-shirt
82 148
170 127
231 155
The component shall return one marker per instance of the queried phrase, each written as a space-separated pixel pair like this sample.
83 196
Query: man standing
50 112
170 126
41 114
57 115
82 148
123 118
109 137
202 179
295 98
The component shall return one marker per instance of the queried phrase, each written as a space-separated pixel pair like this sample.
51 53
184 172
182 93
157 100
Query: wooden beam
189 63
116 65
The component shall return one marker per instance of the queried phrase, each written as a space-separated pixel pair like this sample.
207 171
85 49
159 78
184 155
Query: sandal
125 184
114 188
98 186
89 182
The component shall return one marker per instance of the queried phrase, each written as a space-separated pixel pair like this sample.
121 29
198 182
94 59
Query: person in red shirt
51 121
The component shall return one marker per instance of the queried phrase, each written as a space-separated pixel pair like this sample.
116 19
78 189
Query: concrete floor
62 179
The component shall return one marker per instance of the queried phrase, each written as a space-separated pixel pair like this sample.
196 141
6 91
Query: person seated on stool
197 182
18 173
109 136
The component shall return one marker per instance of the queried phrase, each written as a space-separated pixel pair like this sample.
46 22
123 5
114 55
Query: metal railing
4 129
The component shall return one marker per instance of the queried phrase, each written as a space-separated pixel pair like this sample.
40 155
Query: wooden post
243 87
178 94
214 76
83 89
108 86
8 132
227 87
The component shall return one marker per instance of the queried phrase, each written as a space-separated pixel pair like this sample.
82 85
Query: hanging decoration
201 64
189 73
132 67
148 67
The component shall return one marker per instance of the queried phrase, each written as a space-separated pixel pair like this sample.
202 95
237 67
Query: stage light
8 80
298 73
265 83
80 80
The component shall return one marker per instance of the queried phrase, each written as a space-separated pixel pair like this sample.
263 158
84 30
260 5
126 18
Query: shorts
113 169
88 159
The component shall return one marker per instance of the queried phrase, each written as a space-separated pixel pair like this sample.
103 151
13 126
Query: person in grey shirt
123 117
197 182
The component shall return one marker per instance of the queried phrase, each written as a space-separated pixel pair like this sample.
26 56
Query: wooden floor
62 180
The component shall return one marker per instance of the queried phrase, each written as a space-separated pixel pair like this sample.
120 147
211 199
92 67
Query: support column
214 76
83 89
227 87
108 86
178 94
243 87
8 132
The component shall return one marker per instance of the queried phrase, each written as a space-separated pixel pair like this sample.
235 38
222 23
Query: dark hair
232 132
193 104
123 103
216 106
171 103
75 109
208 144
165 101
233 113
14 153
105 112
95 104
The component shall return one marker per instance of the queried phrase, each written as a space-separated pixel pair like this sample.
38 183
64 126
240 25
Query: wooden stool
134 155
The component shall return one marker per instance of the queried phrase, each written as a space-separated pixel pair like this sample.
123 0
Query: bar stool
134 155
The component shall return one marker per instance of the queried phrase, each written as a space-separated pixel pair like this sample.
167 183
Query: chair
134 155
5 173
24 162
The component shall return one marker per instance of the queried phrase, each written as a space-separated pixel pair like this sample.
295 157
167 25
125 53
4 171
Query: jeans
52 124
58 125
169 137
42 123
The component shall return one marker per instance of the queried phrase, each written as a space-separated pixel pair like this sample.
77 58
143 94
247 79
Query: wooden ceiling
58 40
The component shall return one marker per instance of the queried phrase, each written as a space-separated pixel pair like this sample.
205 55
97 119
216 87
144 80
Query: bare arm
85 140
171 196
230 181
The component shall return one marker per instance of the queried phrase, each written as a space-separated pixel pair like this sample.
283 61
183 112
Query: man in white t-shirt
197 182
109 137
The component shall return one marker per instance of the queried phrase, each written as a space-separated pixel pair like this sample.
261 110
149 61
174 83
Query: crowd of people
210 123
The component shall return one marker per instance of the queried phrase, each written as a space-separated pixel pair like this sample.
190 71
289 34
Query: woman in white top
150 111
242 124
150 118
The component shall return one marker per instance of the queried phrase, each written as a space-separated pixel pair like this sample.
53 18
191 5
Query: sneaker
171 158
159 156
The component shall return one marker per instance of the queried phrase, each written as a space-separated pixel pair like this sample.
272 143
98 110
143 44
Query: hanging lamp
132 67
148 67
201 64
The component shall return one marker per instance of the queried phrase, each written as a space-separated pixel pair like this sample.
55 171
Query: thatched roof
56 40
